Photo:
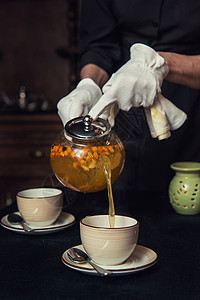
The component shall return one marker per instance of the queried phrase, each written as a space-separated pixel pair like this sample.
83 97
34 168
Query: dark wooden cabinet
25 142
39 47
38 50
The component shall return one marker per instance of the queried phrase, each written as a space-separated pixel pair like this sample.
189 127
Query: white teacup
105 245
40 206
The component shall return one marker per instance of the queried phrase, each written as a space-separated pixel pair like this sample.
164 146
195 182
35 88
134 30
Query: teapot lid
85 128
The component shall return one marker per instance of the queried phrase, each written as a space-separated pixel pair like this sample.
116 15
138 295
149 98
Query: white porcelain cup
105 245
40 206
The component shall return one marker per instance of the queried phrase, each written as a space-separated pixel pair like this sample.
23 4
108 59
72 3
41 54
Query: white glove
79 101
136 83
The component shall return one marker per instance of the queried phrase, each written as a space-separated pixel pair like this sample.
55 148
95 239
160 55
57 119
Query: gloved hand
79 101
136 83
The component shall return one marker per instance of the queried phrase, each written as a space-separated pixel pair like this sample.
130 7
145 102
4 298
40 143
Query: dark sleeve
98 35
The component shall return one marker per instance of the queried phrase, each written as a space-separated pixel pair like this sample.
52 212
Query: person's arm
183 69
99 40
97 74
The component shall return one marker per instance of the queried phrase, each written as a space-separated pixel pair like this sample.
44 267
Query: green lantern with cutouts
184 188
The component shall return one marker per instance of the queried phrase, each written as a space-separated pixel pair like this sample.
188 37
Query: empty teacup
105 245
40 206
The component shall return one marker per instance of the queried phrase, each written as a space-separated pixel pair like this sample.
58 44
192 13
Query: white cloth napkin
163 116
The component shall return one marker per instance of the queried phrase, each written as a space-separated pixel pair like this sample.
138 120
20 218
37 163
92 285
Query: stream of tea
106 165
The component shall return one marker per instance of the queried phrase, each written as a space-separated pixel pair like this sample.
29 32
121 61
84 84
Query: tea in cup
105 245
40 206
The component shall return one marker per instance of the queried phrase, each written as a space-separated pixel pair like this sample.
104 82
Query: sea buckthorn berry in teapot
75 154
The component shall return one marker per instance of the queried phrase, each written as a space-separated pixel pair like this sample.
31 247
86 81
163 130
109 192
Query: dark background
38 40
38 55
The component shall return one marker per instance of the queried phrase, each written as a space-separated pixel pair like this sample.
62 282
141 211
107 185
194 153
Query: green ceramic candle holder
184 188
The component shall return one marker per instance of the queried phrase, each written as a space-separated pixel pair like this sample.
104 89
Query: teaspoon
14 218
78 256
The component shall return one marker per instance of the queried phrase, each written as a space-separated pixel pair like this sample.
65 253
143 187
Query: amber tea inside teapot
77 154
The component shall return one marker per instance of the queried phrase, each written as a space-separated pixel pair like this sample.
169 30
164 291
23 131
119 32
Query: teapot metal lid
85 128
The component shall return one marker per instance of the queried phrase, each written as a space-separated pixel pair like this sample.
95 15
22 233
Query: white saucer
141 259
64 220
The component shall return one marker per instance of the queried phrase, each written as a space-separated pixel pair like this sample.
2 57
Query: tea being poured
88 157
106 165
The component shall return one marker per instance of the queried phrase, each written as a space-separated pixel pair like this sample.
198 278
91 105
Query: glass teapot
76 154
